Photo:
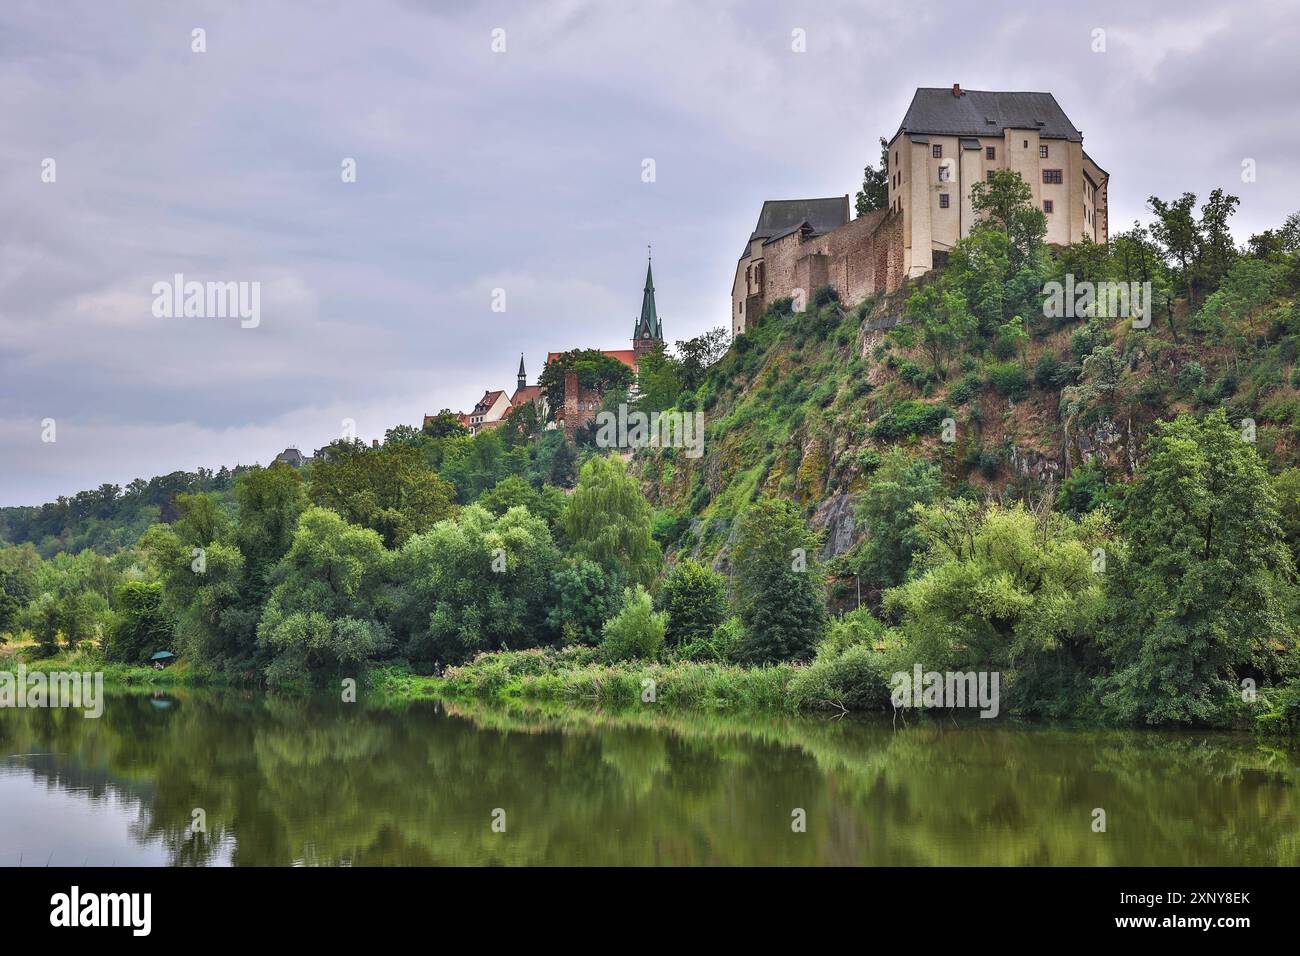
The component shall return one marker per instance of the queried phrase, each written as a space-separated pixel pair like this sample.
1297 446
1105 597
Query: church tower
649 332
521 379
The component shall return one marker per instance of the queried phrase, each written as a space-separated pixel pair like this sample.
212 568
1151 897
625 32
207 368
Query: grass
574 675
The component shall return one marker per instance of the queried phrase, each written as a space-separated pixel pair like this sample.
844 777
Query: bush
722 646
966 389
824 295
1009 380
856 679
908 418
1047 371
636 631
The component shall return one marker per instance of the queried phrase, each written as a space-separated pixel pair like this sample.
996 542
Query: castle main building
949 140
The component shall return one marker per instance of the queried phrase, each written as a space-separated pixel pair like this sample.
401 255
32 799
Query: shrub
722 646
966 389
908 418
636 631
1009 380
824 295
1047 371
856 679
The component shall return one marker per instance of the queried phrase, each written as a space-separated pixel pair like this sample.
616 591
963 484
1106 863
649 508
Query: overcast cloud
477 170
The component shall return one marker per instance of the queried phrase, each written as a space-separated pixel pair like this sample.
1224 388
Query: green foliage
608 521
547 502
446 424
1005 202
874 193
586 596
322 617
1009 380
269 501
1005 590
885 508
907 418
636 632
390 490
694 596
142 626
476 583
1199 603
780 594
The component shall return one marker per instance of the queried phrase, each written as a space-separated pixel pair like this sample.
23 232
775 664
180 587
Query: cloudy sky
477 170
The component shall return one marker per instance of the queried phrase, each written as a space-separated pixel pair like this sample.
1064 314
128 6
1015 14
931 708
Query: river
279 781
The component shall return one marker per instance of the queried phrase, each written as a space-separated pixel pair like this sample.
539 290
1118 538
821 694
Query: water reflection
287 781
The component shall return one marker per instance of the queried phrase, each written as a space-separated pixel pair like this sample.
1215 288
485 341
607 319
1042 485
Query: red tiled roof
529 393
486 402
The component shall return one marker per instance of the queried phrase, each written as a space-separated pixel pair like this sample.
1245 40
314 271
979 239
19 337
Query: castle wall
864 257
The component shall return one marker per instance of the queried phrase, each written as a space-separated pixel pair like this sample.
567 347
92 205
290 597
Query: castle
580 403
948 141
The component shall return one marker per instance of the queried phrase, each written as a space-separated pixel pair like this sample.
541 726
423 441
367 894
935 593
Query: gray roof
780 217
985 113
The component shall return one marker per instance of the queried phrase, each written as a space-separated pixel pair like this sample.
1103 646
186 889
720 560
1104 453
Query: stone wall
860 259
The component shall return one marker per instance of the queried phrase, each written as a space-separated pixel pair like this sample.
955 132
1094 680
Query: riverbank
116 675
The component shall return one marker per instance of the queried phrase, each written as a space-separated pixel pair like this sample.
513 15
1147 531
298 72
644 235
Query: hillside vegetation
992 470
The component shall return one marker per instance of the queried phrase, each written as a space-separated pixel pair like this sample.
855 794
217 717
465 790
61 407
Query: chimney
956 89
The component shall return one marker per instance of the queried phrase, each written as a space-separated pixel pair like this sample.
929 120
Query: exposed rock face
836 517
1032 464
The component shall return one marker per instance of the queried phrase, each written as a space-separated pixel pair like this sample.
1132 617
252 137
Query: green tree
874 193
446 424
595 369
142 626
608 520
1006 590
939 320
1005 202
269 502
699 354
322 616
659 380
695 598
476 583
586 596
900 483
636 632
1198 605
513 491
780 594
390 490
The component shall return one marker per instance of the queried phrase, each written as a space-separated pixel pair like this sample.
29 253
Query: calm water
285 781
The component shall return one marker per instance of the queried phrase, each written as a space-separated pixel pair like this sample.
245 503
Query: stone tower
649 331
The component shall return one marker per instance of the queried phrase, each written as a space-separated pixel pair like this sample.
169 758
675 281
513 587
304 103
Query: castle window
1047 206
936 151
1052 177
1026 144
989 175
1042 152
943 200
990 152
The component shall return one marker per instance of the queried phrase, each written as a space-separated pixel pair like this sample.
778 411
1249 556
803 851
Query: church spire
522 378
648 323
